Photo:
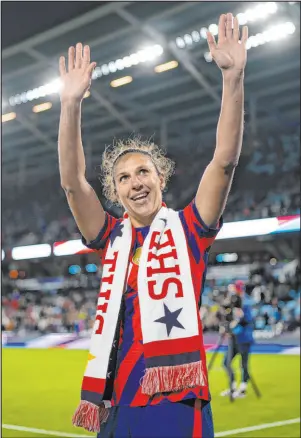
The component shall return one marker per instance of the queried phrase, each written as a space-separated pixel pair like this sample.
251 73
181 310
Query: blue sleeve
100 241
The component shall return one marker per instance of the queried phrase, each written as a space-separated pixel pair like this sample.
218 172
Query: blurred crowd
275 303
266 184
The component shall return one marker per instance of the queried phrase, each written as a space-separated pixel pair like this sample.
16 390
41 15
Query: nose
136 183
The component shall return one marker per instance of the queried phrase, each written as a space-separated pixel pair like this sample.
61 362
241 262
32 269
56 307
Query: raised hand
229 53
76 79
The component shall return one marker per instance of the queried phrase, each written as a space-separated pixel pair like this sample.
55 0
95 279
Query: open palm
76 80
230 52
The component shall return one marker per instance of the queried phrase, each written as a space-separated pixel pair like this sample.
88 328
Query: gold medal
137 255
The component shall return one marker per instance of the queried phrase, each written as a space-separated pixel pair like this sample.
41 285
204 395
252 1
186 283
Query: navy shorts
173 420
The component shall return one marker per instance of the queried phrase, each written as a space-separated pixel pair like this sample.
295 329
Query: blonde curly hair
164 165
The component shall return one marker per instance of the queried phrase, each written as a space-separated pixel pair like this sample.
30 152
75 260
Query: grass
40 389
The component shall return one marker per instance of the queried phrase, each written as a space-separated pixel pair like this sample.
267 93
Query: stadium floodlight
119 64
180 42
195 36
166 66
31 251
127 62
42 107
208 57
203 32
54 86
2 255
188 39
134 59
121 81
213 28
105 69
8 116
261 11
149 53
96 73
274 33
23 97
242 18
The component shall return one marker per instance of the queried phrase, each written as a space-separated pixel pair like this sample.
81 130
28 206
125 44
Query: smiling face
138 187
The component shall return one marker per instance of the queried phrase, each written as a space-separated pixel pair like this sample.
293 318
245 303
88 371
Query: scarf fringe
90 416
173 378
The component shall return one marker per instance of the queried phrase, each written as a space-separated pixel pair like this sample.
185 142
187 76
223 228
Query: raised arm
230 55
82 199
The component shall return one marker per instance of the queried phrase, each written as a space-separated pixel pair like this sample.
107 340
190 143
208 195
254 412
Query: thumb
91 68
211 42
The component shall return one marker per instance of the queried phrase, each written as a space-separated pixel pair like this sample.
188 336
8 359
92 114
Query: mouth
140 198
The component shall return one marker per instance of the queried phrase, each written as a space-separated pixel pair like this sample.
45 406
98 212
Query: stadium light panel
166 66
2 255
8 116
42 107
121 81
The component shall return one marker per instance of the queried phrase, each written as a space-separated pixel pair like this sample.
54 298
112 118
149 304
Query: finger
211 42
86 59
245 34
222 27
229 25
79 55
62 66
236 29
71 54
91 68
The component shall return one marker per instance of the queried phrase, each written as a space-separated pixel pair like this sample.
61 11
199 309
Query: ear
116 195
162 182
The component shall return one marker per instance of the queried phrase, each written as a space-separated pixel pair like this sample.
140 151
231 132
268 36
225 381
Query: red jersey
130 358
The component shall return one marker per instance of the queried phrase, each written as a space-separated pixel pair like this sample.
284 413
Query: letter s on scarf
151 288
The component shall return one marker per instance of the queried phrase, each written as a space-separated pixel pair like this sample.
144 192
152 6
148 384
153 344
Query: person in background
240 340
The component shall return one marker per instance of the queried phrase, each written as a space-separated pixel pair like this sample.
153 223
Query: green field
40 390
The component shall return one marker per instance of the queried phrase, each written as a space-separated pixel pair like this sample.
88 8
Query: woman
146 374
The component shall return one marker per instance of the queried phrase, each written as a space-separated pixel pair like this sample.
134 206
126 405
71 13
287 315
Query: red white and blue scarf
170 319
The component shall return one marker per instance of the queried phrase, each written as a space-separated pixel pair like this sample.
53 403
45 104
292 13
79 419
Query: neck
142 221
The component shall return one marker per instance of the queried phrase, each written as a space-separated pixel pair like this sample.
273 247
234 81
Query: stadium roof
180 106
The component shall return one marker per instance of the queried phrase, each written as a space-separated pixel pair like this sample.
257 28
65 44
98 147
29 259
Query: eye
143 171
123 178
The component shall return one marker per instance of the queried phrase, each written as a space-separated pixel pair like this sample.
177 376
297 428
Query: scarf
170 319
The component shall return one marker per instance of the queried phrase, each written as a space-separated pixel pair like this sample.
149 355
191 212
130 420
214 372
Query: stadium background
171 92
